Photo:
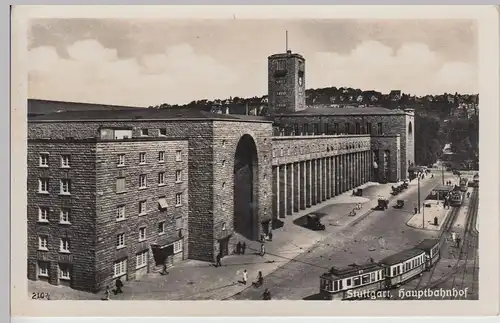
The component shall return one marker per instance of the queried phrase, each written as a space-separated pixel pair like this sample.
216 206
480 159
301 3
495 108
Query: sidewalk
201 280
428 214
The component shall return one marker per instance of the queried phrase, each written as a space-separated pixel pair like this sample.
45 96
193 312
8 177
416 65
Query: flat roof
351 271
443 188
346 111
38 106
401 256
427 244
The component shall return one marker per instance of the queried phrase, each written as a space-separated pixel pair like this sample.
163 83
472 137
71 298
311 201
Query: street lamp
423 215
442 173
418 183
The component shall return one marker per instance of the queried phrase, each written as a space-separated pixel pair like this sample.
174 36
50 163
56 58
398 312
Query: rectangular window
65 186
348 282
43 185
142 158
161 178
120 240
142 207
368 128
65 161
315 128
358 128
161 227
120 213
144 132
356 281
281 65
43 242
120 268
43 214
64 272
142 181
296 129
178 199
161 156
179 223
178 176
43 269
163 132
44 160
326 129
121 160
380 130
120 185
336 128
178 155
347 128
64 245
178 246
365 279
335 286
141 259
64 216
142 234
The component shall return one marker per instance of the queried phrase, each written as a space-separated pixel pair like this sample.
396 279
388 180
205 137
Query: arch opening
410 129
245 197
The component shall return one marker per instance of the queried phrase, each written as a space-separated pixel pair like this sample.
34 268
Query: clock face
301 80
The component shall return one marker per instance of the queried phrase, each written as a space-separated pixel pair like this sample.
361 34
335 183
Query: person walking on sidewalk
106 294
266 295
260 279
217 259
270 235
119 285
262 250
243 247
245 276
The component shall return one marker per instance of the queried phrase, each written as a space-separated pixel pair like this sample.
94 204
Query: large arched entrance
246 188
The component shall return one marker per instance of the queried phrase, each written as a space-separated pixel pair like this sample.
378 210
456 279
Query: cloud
412 67
93 73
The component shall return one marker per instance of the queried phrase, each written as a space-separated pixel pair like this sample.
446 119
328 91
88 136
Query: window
178 155
379 129
336 128
144 132
142 207
120 213
64 245
64 216
347 128
281 65
120 240
179 223
120 268
43 242
366 279
178 246
357 281
368 128
161 227
348 282
223 143
223 163
178 199
43 269
121 160
161 156
178 176
43 214
335 286
44 160
142 181
65 161
358 128
142 158
162 203
410 129
163 132
120 185
161 178
43 185
64 272
65 186
142 234
223 185
141 259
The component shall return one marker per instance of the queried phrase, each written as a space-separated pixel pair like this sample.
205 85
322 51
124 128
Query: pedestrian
243 247
266 295
164 271
270 235
262 250
415 210
238 248
245 276
119 285
218 258
454 237
260 279
458 242
106 294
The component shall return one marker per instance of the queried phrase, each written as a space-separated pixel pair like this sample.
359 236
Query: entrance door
224 246
163 255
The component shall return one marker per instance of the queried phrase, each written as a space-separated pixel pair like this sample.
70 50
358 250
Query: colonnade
299 185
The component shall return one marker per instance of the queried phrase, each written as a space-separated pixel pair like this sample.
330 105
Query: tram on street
475 179
432 250
456 198
403 266
464 181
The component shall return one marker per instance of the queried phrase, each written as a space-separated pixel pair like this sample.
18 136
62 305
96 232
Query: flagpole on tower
286 41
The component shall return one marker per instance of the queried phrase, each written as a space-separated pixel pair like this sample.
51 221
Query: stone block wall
380 144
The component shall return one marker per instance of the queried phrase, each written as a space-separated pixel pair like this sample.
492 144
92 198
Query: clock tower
286 83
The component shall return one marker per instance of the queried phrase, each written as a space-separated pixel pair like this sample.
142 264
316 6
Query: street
380 234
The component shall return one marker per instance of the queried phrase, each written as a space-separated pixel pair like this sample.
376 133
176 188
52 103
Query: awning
162 202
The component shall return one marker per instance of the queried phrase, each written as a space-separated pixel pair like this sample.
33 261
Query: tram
464 184
432 251
456 198
403 266
475 179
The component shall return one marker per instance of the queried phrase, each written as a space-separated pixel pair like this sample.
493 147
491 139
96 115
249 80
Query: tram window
323 284
394 272
366 279
341 285
372 276
356 281
348 282
335 286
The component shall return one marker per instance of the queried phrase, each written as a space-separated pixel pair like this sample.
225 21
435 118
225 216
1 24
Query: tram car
355 282
456 198
431 247
475 179
403 266
464 184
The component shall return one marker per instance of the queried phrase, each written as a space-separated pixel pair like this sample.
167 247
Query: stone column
314 176
289 189
318 180
303 185
296 187
358 169
276 194
337 175
282 191
323 179
308 183
332 175
362 160
328 169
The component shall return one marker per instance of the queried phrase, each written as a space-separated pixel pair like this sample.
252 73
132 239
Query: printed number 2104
36 295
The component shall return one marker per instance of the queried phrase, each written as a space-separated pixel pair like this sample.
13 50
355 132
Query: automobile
399 204
314 222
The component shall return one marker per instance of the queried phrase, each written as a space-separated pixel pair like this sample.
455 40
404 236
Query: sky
149 62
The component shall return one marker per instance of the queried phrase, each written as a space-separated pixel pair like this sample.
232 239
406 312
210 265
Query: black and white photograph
324 160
